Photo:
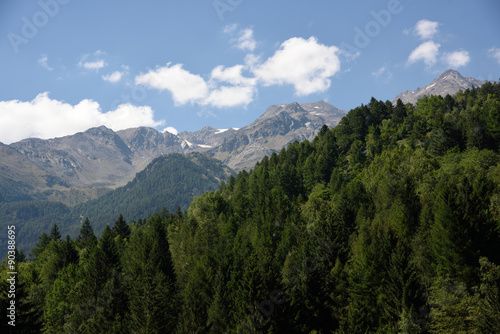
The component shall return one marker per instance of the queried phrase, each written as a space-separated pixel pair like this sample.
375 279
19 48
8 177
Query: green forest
386 223
167 182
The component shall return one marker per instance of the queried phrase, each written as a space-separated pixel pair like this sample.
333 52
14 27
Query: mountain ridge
79 167
449 82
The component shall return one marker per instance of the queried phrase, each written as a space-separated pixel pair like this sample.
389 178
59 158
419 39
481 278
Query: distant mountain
168 181
205 138
74 169
450 82
279 126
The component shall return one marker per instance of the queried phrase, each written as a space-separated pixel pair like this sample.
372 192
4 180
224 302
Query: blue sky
69 65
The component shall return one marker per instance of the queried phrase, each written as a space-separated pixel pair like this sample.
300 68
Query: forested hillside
167 182
387 223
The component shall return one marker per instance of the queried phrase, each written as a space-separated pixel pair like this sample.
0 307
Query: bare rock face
450 82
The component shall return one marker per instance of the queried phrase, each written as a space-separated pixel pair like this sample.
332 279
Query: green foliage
86 238
167 182
387 223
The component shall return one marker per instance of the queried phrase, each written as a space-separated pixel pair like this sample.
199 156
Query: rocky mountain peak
450 82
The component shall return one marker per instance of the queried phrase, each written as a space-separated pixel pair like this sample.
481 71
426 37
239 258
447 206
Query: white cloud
187 87
43 61
251 59
241 92
113 77
230 96
95 65
245 41
426 29
44 117
232 75
184 86
172 130
456 59
305 64
495 53
427 51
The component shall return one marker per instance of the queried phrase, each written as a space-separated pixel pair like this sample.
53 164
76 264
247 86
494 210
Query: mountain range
83 166
86 165
101 173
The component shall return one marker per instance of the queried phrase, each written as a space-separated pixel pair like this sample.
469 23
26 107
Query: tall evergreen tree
86 236
55 235
121 228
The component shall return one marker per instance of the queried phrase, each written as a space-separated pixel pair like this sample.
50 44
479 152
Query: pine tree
153 306
121 228
86 236
55 235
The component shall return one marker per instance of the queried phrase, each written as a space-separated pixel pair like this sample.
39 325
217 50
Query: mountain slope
76 168
450 82
167 181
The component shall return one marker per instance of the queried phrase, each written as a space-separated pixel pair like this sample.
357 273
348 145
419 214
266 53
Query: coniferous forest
387 223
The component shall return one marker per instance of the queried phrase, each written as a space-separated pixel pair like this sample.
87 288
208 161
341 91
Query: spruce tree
121 228
55 235
86 236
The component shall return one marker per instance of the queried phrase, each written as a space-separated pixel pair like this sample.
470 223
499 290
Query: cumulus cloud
495 53
43 61
426 29
244 39
251 60
241 92
230 96
45 118
116 75
113 77
427 52
456 59
184 86
232 75
170 129
303 63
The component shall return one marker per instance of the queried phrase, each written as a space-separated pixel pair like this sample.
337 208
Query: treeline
387 223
